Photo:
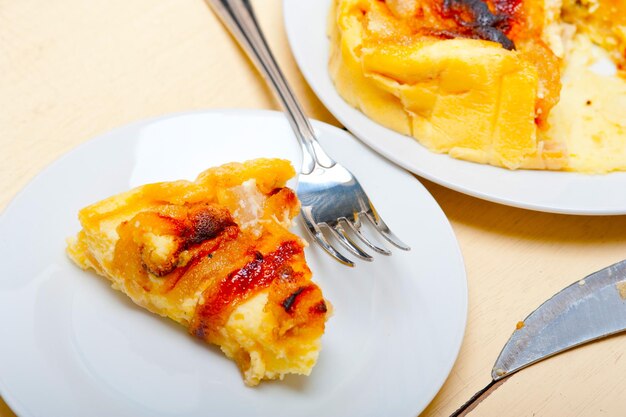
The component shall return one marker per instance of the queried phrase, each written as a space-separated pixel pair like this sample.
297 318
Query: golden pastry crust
216 256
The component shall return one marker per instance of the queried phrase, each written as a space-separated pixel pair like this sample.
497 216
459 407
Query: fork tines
338 229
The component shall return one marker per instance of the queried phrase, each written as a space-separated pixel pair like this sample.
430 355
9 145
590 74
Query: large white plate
557 192
71 346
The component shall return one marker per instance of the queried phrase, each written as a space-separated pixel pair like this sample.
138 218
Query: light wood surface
71 69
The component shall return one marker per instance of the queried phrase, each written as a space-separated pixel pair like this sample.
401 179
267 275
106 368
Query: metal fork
331 196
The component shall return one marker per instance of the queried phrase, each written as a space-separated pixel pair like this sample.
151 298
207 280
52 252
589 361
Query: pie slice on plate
216 256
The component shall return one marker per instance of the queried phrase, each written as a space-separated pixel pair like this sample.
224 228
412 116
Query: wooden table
71 69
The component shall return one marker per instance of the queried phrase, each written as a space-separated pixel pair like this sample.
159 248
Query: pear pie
511 83
216 256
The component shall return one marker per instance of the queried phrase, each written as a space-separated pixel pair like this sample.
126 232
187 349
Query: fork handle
239 18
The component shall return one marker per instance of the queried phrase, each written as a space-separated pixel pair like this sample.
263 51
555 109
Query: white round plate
556 192
72 346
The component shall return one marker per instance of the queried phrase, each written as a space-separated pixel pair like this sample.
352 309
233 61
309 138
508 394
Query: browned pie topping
477 20
258 273
290 302
182 229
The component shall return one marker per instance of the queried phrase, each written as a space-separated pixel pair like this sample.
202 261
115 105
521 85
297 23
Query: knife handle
477 398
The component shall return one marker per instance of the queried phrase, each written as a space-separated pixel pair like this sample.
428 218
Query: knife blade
587 310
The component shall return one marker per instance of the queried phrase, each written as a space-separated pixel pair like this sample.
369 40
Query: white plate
557 192
71 346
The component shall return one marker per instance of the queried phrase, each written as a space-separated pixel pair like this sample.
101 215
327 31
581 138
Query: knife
587 310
